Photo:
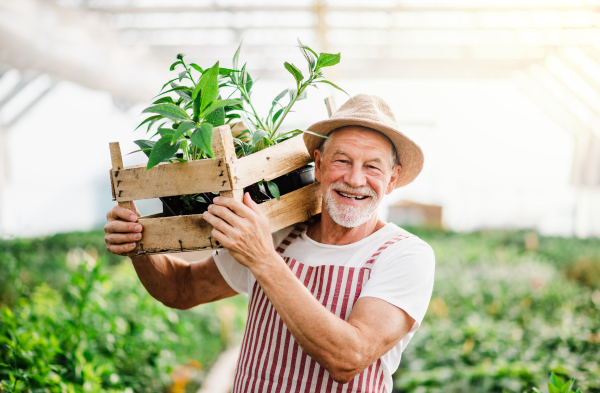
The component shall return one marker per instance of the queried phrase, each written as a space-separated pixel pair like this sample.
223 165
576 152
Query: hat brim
409 153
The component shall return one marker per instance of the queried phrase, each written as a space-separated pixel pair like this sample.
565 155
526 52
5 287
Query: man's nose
355 177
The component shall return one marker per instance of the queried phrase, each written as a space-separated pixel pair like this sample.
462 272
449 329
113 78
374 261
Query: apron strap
371 261
292 235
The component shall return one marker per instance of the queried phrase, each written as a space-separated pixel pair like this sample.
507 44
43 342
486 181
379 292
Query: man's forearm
329 340
163 276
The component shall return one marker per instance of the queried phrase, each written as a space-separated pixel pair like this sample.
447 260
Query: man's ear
318 157
392 184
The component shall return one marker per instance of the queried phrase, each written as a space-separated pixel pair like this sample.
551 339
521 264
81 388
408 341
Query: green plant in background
187 122
94 327
504 313
556 385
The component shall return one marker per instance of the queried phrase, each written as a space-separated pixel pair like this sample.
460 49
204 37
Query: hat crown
367 107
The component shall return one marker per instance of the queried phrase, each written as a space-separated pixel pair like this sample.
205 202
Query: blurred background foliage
508 308
76 318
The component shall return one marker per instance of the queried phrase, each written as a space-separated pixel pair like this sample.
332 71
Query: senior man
333 301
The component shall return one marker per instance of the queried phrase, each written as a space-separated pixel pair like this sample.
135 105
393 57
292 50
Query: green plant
263 132
82 321
187 122
556 385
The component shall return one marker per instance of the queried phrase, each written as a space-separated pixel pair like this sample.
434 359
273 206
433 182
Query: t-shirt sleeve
235 274
238 276
403 276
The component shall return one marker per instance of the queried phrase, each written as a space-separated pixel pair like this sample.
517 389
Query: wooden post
117 165
223 147
330 104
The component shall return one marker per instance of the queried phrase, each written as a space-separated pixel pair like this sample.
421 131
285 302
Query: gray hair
394 159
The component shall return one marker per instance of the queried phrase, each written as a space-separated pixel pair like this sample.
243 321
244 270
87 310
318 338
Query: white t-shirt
402 275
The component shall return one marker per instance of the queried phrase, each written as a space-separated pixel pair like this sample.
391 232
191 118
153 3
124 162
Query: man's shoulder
402 242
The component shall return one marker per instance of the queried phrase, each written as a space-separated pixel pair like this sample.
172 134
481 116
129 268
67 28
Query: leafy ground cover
75 318
508 308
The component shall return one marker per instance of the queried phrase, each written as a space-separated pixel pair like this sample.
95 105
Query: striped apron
271 360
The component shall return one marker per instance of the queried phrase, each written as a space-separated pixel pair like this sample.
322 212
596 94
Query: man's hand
122 231
242 228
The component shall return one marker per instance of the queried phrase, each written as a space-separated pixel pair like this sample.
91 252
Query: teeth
351 196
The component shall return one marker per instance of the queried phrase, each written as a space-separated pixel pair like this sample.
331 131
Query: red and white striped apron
272 361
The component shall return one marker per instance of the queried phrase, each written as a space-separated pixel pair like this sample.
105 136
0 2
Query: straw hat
372 112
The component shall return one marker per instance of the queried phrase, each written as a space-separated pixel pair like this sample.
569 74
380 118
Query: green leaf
166 131
145 146
249 82
161 152
279 97
566 388
182 74
277 114
208 86
314 133
327 60
174 65
258 136
236 56
151 118
334 85
169 111
183 128
219 104
217 117
200 199
167 84
294 71
202 138
553 389
273 189
226 71
555 380
293 93
182 91
197 67
163 100
196 104
308 55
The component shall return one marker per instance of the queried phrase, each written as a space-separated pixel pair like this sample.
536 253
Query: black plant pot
302 177
295 180
174 205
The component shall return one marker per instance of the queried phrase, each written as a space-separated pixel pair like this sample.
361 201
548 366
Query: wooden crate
226 174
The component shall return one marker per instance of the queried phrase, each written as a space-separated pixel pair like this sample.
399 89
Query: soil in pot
176 206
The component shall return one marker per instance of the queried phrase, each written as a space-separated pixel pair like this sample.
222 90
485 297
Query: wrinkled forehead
366 137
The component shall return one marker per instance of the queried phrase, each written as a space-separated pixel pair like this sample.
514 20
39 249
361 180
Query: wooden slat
331 106
297 206
171 179
270 163
117 165
189 233
224 148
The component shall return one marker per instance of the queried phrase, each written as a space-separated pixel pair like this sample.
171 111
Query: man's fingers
217 222
251 204
122 238
234 205
120 249
223 213
124 214
122 227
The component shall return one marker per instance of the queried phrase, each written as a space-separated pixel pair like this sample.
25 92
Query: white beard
350 216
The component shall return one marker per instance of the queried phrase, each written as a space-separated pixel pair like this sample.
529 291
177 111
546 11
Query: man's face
355 173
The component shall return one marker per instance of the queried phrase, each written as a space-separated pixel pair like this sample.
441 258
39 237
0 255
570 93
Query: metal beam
39 35
110 8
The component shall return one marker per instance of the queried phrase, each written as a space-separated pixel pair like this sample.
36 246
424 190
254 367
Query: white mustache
356 190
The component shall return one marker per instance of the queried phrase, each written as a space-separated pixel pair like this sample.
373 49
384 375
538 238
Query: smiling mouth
350 196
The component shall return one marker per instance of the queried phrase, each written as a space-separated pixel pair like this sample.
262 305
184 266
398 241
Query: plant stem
243 91
287 108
